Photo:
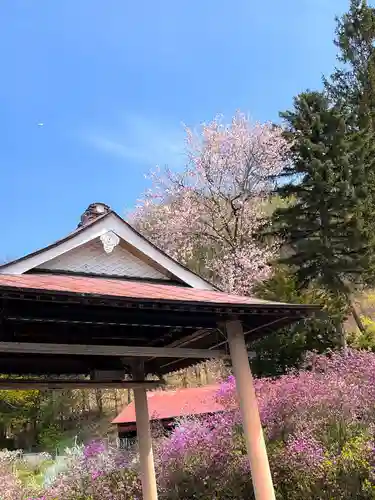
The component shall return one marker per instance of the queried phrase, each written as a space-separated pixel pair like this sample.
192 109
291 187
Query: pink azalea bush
319 424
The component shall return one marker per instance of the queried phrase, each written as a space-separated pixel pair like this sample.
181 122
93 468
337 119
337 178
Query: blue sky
112 81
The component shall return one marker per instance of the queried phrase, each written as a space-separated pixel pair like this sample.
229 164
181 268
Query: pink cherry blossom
206 215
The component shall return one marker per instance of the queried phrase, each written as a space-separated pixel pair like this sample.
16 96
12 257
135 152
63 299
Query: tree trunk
85 403
99 401
357 317
353 311
206 373
3 432
198 374
185 378
116 400
342 336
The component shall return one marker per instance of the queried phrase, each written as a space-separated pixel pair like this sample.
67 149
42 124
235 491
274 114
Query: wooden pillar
256 449
146 457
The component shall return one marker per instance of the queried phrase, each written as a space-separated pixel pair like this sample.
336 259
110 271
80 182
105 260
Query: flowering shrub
319 425
11 488
319 428
95 472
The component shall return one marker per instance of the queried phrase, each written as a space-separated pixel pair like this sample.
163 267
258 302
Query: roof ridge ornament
92 212
110 240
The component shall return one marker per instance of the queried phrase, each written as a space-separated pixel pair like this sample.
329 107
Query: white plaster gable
92 258
132 246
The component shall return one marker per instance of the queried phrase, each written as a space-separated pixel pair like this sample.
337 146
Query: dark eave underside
68 318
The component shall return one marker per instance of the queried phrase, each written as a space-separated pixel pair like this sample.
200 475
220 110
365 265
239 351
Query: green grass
32 476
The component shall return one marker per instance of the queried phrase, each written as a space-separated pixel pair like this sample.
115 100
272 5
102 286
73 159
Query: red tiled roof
171 404
122 288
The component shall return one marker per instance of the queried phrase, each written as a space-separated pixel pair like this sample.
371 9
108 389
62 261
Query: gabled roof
178 403
109 222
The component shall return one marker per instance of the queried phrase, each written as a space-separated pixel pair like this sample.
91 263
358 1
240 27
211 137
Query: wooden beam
223 342
198 334
105 350
32 384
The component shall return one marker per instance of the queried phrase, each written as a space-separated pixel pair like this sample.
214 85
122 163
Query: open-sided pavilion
103 307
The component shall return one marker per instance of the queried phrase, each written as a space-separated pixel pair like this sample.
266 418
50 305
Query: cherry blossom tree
206 215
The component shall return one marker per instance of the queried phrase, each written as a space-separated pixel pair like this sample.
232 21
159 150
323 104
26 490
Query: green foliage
284 349
365 339
15 406
351 86
349 476
50 437
32 475
320 229
345 475
46 420
327 231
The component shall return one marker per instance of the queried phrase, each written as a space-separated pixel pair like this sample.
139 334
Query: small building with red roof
167 406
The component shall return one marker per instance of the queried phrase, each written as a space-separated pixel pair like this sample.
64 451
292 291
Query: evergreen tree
352 89
322 230
352 85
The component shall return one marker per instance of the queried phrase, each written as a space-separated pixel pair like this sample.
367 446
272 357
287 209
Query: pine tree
352 88
322 229
352 85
